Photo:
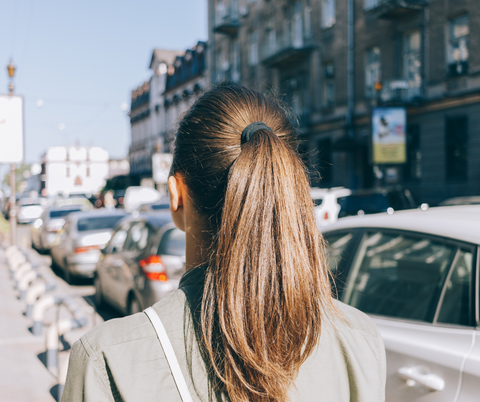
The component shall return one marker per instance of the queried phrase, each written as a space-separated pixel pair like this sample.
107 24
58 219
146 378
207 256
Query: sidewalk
23 375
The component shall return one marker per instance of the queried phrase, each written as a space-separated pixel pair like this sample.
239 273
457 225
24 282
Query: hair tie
251 129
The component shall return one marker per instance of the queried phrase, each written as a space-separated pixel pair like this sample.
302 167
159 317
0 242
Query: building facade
333 61
73 170
147 116
186 80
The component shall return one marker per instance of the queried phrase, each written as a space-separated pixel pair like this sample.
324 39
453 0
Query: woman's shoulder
133 328
352 319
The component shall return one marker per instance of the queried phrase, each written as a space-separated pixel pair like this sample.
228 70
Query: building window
325 160
328 13
373 70
456 147
413 167
236 61
307 16
457 54
370 4
253 49
412 63
329 85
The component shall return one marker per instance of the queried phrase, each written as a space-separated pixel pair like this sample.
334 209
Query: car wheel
133 305
99 301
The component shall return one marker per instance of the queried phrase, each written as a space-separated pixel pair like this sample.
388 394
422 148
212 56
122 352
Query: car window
98 223
117 241
138 236
456 307
397 275
172 243
335 250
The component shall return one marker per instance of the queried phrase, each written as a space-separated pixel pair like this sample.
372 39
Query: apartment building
335 61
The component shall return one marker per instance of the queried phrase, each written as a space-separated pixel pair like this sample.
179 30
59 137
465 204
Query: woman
253 318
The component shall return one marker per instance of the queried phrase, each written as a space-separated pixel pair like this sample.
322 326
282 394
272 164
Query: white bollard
22 269
25 281
38 312
62 373
54 331
10 251
35 291
15 260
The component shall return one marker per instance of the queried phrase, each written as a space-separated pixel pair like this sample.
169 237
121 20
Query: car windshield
160 206
98 223
62 212
368 203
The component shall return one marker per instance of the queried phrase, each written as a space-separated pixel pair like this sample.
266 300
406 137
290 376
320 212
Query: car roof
455 222
96 213
155 219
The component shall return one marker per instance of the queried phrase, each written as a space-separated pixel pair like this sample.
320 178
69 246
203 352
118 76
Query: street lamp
11 74
13 201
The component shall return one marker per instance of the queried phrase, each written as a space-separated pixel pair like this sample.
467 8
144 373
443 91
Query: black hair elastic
251 129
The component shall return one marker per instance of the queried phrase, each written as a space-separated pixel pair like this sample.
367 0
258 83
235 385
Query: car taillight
153 268
79 250
325 216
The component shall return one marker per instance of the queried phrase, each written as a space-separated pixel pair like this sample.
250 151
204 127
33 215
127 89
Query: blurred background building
333 61
73 170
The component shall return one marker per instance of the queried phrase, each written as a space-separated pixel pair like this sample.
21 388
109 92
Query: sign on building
388 135
161 167
11 129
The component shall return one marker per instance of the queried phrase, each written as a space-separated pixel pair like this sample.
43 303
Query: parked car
138 195
416 273
45 229
162 205
142 263
28 210
77 249
372 201
327 203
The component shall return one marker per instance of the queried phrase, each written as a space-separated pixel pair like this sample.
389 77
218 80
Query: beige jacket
122 360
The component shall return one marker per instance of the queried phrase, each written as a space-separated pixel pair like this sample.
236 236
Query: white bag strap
169 354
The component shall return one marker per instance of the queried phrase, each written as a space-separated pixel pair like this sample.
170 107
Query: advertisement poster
11 129
388 132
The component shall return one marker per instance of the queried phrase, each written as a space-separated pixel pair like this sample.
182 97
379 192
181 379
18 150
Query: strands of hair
267 287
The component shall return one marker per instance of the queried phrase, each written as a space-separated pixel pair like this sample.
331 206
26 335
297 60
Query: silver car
416 273
142 263
77 249
45 230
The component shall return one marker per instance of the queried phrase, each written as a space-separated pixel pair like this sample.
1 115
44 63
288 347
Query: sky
82 59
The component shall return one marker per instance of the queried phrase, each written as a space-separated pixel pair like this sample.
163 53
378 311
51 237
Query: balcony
390 9
227 20
287 49
400 93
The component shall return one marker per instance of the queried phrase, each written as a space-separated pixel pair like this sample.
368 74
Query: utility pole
13 201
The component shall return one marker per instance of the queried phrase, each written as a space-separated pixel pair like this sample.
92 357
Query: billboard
11 129
388 135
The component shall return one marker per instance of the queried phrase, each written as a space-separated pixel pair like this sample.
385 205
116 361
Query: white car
416 273
326 201
29 210
135 196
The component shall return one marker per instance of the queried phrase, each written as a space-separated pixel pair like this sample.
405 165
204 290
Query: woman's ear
177 191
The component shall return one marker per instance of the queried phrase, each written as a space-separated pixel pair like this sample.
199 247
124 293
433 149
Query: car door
107 268
138 237
470 390
403 280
